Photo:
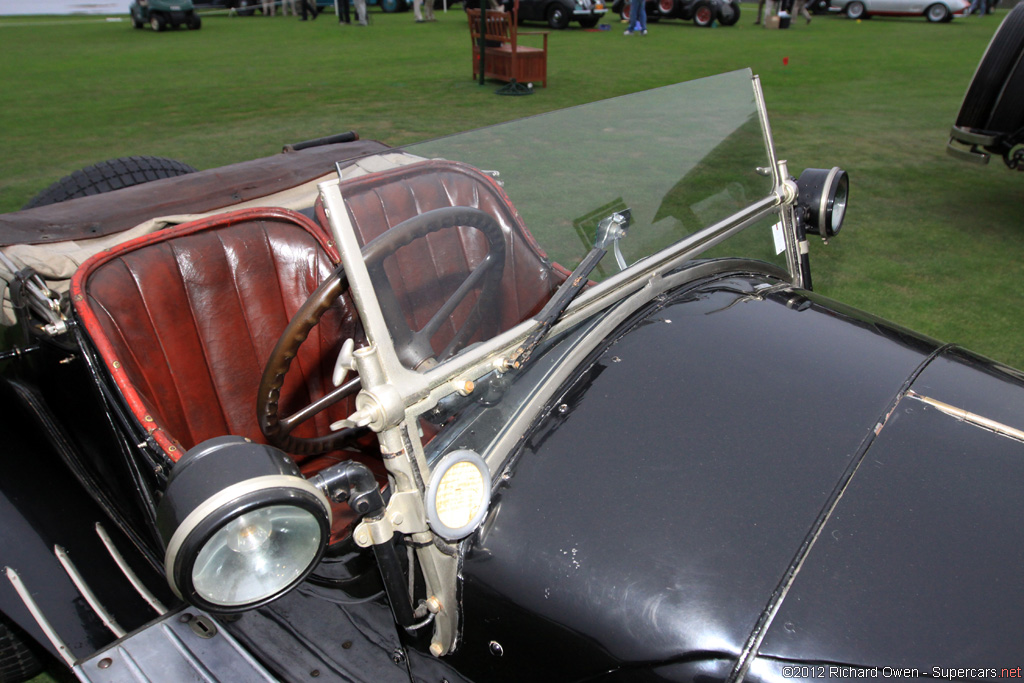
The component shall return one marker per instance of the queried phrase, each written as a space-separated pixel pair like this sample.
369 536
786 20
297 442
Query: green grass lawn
930 242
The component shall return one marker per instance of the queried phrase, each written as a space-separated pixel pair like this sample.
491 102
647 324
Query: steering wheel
413 347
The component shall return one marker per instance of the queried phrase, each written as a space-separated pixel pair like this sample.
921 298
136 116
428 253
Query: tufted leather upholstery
186 318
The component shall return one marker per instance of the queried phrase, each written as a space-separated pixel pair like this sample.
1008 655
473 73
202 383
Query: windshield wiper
609 231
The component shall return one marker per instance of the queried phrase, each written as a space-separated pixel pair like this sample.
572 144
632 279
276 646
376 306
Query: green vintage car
162 14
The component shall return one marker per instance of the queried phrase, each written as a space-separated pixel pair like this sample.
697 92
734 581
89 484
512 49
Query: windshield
681 158
474 275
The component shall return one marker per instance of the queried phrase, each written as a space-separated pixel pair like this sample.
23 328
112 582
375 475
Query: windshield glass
681 158
487 225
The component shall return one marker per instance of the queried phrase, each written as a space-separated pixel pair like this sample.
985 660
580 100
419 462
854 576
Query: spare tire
991 86
109 175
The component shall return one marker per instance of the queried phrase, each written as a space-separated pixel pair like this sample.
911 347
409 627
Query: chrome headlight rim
227 505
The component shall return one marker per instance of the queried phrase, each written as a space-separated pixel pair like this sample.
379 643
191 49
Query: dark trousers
308 6
343 17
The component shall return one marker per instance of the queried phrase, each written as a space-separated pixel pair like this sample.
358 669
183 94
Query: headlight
823 196
458 494
241 524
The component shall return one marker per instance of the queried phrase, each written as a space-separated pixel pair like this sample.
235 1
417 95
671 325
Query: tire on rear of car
557 17
703 14
109 175
728 13
991 95
855 10
937 13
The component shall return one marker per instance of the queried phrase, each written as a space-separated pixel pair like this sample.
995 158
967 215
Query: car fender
663 495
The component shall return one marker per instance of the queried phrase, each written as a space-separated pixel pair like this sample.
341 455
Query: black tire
136 22
194 22
703 15
856 10
1001 57
109 175
557 17
246 8
588 22
157 22
18 660
728 13
667 8
937 13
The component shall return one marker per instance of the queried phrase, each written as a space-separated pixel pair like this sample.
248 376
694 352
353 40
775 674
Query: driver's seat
186 318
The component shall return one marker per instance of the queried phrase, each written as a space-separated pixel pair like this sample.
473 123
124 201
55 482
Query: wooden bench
504 58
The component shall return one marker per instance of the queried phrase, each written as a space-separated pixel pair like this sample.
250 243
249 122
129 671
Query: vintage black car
703 13
421 414
991 118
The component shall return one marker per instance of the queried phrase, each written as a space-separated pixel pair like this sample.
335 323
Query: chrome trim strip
76 578
137 584
969 417
37 614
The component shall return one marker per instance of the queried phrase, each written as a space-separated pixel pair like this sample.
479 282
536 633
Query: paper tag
780 239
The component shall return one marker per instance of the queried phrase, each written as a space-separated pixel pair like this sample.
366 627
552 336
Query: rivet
148 418
346 645
496 649
171 449
433 605
79 297
315 673
116 364
105 663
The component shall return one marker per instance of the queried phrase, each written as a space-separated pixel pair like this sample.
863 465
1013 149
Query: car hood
719 469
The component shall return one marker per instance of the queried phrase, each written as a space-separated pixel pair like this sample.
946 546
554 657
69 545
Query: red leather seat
185 318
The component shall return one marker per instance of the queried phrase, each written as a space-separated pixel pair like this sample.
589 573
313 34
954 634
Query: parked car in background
991 118
702 12
935 11
163 14
557 14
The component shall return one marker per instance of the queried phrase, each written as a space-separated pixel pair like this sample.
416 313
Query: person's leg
642 19
760 11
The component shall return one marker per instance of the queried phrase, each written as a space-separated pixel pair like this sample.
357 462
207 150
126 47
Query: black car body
558 14
675 463
703 13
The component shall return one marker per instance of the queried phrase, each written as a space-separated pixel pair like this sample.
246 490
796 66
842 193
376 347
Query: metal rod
127 571
37 614
90 597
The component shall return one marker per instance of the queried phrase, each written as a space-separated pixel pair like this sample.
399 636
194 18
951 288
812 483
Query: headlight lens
255 555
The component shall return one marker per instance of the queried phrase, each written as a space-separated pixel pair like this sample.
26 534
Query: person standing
286 5
308 6
637 18
427 15
800 8
361 11
760 12
976 4
268 8
341 7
